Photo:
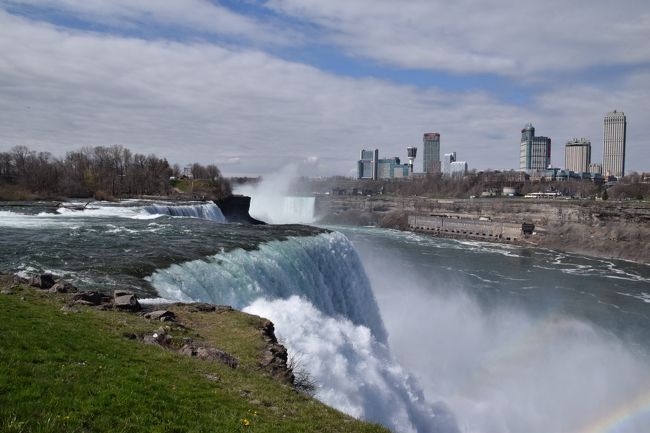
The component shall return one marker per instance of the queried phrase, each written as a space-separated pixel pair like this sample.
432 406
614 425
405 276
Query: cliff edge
87 361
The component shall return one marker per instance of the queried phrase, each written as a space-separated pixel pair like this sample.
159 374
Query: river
418 333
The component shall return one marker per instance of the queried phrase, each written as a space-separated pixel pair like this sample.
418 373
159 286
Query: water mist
272 202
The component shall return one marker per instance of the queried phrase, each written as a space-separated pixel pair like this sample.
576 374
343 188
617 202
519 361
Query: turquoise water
481 337
515 339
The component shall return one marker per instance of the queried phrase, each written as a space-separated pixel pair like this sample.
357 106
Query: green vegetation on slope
76 372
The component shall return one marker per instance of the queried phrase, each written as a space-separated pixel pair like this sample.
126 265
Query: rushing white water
278 209
354 372
513 352
272 201
208 211
66 215
317 293
511 339
325 269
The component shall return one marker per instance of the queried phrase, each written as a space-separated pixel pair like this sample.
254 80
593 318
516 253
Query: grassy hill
81 369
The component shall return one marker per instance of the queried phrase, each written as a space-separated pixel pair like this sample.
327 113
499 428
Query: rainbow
622 415
613 421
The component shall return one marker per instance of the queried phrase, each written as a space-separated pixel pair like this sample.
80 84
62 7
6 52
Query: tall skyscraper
431 156
367 164
534 152
577 155
614 132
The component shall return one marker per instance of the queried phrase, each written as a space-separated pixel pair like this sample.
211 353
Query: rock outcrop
210 354
43 281
236 209
274 358
123 300
162 315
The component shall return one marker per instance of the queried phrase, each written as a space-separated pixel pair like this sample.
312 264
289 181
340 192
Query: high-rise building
431 156
614 132
389 168
367 164
458 168
534 152
577 155
451 167
447 159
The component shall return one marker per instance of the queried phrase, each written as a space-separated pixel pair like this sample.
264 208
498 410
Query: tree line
632 187
102 172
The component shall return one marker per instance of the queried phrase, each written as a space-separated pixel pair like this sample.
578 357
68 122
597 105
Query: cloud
62 89
518 39
197 16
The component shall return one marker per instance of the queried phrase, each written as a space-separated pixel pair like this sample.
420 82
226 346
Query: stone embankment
466 228
608 229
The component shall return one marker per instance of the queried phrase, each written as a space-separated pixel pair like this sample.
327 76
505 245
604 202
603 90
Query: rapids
417 333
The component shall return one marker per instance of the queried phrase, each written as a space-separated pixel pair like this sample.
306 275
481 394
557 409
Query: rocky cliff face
607 229
235 208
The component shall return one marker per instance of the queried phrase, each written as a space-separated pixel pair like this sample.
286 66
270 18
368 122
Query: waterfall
318 295
324 269
207 211
298 210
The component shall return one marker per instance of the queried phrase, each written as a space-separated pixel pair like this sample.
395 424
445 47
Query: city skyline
251 85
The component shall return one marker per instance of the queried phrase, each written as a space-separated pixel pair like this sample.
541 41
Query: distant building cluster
535 153
534 157
370 166
451 167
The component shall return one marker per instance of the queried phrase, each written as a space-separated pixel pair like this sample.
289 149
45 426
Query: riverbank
79 362
606 229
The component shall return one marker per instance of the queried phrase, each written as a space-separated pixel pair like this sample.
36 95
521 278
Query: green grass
77 372
189 185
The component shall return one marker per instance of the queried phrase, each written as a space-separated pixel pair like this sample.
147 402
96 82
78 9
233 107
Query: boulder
202 308
125 301
160 337
162 315
210 354
88 298
43 281
63 287
209 308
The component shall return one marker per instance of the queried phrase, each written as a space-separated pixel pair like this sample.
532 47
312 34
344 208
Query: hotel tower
614 144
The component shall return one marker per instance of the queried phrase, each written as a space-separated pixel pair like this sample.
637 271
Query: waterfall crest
207 211
323 269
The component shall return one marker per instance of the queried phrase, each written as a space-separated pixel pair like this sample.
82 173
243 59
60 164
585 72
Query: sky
256 85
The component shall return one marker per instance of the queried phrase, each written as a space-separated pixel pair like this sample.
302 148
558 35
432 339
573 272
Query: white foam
324 268
353 371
